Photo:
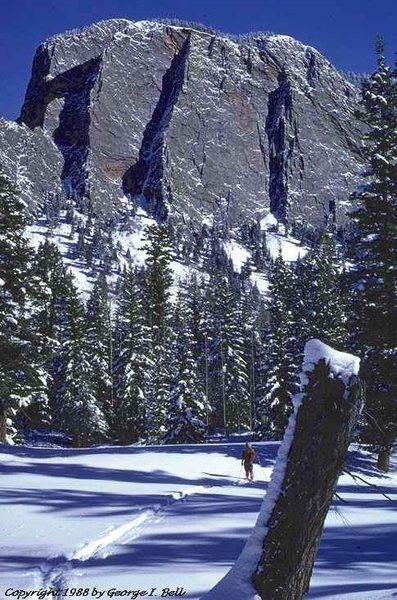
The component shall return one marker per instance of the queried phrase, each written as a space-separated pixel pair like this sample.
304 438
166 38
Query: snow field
74 515
175 516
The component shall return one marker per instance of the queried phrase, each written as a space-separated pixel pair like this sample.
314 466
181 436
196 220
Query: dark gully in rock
183 122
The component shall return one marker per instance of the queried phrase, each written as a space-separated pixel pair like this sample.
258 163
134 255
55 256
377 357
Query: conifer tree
194 306
320 303
50 273
373 252
158 388
48 323
20 377
252 316
280 367
228 370
158 281
215 308
198 304
184 419
236 380
77 410
132 364
100 343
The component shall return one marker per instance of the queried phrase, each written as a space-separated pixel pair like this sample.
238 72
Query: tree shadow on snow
363 464
267 450
103 502
153 548
339 590
94 503
80 471
173 551
356 551
372 498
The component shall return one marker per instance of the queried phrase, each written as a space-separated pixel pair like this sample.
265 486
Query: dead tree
325 420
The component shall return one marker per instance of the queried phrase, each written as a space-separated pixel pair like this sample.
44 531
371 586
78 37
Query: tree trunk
383 463
3 426
324 424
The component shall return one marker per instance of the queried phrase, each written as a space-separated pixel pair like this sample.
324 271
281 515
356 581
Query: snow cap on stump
341 364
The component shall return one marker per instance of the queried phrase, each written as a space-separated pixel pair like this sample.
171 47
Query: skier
247 459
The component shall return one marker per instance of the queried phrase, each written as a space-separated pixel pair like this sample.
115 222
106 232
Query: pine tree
198 298
320 303
279 368
215 308
158 281
228 370
77 410
194 306
237 387
100 343
252 317
161 375
20 379
373 252
132 364
48 324
184 419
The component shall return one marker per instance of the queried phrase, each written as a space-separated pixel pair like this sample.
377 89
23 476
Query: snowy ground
174 517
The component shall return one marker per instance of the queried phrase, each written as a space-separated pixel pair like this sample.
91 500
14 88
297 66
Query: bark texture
383 463
3 426
325 421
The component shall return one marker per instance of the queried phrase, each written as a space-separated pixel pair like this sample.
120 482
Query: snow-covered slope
130 244
174 517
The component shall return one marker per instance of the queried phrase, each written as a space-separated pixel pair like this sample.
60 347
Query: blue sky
343 30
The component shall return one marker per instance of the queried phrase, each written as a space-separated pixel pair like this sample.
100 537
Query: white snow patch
9 124
65 242
130 246
291 249
342 364
208 220
268 220
261 282
238 254
276 240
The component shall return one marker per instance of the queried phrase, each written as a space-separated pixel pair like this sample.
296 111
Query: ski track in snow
54 572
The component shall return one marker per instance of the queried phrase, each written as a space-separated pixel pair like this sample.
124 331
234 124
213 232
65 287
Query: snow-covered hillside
129 245
66 240
137 518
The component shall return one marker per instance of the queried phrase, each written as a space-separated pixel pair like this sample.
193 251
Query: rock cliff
186 122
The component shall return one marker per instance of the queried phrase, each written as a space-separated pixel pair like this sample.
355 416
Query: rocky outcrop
184 122
32 161
149 178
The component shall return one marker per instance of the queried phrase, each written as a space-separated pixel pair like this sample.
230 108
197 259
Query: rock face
188 123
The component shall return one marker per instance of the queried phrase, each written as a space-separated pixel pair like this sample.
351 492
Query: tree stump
325 420
383 462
